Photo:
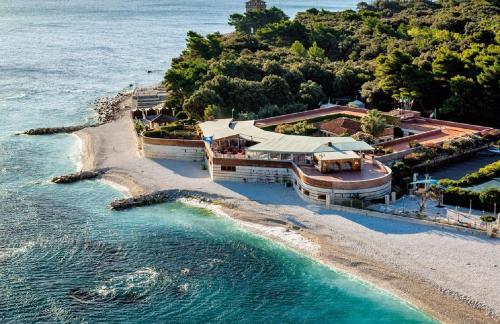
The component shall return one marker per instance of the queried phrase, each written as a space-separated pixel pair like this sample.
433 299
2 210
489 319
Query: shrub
460 197
300 128
414 143
269 111
139 128
488 218
365 137
172 127
182 115
380 150
400 171
156 133
412 159
463 143
398 132
247 116
490 196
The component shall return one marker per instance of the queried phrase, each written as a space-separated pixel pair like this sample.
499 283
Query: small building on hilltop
255 5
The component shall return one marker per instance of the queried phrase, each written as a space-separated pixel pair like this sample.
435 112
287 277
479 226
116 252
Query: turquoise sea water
64 257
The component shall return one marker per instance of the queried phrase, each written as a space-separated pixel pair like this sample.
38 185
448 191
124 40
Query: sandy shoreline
453 277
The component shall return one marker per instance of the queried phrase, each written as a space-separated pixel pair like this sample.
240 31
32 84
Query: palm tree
373 123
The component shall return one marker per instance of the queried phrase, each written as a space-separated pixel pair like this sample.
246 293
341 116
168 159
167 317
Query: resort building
324 168
321 169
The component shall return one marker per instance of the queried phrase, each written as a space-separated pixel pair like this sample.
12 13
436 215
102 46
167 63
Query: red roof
341 126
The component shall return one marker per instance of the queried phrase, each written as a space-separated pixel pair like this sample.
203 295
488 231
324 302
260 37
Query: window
306 192
228 168
322 197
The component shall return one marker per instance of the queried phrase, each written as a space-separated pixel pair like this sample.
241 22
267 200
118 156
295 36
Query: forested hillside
442 55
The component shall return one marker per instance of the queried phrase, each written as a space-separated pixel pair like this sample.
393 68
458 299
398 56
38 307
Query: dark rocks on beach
158 197
107 108
79 176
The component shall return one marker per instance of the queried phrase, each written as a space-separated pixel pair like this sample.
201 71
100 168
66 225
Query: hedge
484 174
483 201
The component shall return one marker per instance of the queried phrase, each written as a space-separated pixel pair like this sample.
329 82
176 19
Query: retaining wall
173 149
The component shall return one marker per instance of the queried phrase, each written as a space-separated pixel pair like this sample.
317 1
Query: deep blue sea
65 257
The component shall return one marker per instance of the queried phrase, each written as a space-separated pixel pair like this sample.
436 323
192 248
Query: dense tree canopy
442 55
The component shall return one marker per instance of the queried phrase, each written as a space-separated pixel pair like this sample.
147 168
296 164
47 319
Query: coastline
343 253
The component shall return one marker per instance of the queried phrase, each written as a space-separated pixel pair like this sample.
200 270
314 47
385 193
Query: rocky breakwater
107 108
56 130
78 176
159 197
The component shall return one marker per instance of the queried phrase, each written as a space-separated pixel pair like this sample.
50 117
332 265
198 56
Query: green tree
298 49
254 20
206 48
373 123
316 52
283 33
397 74
277 90
211 112
200 100
183 76
311 94
464 96
447 64
247 116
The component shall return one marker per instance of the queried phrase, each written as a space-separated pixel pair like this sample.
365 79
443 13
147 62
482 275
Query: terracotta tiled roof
341 125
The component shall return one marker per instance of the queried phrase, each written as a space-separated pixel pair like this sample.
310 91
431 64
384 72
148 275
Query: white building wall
174 152
251 174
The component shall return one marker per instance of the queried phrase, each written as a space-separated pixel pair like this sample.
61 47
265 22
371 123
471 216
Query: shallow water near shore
64 256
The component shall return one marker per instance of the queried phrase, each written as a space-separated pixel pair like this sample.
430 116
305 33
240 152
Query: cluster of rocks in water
107 108
158 197
78 176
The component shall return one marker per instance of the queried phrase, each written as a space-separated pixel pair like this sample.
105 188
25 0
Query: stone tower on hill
255 5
